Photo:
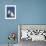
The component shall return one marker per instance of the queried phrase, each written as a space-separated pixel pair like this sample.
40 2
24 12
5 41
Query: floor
30 43
7 45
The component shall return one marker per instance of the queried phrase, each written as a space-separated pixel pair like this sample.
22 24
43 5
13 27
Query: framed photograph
10 11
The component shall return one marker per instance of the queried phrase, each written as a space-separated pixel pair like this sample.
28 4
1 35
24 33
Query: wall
31 11
27 12
6 26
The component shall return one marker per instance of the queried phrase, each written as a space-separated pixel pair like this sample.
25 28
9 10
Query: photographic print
10 11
